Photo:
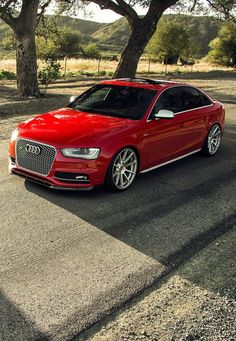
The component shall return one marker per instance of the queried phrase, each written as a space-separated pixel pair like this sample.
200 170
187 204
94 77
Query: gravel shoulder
196 302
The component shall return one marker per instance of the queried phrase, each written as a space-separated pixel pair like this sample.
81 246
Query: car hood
69 127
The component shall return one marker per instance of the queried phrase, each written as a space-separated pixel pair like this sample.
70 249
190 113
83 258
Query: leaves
223 48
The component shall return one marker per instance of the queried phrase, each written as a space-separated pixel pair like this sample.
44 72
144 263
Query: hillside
113 37
113 34
202 29
86 27
3 29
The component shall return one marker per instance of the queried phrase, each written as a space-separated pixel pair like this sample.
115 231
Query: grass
92 66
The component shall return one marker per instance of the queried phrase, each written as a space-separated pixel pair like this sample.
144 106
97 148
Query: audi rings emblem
33 149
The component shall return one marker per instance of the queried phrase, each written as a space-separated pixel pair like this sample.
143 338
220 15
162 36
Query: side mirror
163 113
72 98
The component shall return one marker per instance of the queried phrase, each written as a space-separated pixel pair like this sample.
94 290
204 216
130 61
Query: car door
192 118
162 138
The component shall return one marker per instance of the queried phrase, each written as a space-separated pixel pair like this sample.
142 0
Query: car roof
145 83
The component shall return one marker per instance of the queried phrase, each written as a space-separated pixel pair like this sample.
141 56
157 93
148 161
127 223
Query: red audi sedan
114 131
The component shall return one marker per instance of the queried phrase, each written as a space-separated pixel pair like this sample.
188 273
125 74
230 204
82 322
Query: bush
50 73
7 75
91 51
223 48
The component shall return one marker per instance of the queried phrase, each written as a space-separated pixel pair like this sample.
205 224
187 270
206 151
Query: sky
94 13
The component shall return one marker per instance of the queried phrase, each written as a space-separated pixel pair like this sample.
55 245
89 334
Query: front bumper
66 173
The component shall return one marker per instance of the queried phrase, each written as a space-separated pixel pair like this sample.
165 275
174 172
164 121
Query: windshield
113 100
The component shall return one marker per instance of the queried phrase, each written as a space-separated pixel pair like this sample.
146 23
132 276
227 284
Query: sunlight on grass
74 65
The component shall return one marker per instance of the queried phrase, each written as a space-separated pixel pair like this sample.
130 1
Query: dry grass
8 65
91 65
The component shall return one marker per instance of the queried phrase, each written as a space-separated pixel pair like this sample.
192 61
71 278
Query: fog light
72 177
81 177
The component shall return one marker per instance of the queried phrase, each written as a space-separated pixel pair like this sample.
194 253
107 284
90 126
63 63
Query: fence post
99 62
166 65
149 66
65 65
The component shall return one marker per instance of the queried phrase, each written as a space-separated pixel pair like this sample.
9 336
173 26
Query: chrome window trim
170 161
180 112
27 170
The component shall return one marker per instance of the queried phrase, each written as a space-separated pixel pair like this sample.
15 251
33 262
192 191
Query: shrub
7 75
50 73
91 51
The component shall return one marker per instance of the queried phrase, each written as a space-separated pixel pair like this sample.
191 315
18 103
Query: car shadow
137 216
15 325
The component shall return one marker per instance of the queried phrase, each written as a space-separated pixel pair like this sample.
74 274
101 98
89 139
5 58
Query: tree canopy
170 41
223 48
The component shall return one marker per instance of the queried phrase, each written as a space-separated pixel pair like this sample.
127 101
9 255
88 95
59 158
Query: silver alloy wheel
214 138
124 168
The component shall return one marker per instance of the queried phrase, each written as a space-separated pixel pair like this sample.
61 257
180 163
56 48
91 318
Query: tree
68 42
142 29
91 51
170 41
23 23
225 8
23 17
8 42
223 48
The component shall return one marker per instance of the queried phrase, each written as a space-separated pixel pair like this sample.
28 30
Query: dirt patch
197 302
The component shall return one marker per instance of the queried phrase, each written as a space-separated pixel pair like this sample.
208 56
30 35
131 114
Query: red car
114 131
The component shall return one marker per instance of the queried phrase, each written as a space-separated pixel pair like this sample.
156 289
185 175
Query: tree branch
193 6
43 9
157 7
117 8
131 13
6 15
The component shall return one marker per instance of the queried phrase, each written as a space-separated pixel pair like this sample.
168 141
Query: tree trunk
26 65
141 33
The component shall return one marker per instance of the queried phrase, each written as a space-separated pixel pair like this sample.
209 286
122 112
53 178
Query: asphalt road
69 258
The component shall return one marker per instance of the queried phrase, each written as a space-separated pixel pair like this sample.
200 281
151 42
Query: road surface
69 258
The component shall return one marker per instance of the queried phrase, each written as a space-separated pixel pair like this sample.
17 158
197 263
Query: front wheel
122 170
213 140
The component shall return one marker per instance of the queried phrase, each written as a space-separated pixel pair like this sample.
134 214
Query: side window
169 100
191 98
206 100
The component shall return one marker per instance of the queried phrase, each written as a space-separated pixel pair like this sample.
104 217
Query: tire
213 140
121 173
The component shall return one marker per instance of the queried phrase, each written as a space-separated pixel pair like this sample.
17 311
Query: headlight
14 134
81 153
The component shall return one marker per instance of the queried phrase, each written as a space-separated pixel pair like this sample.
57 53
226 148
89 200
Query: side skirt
170 161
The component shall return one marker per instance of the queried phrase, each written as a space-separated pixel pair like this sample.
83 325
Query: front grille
35 157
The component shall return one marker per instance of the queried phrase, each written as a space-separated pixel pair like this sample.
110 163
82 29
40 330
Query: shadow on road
154 195
183 206
14 325
177 207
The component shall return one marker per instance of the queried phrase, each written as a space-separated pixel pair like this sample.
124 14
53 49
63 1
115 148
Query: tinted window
192 98
112 100
169 100
206 100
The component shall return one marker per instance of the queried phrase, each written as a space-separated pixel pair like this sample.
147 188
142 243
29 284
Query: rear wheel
213 140
122 170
